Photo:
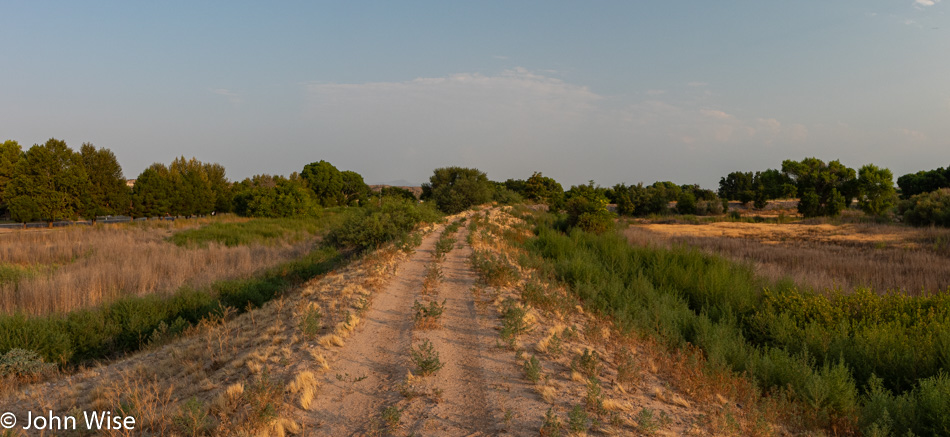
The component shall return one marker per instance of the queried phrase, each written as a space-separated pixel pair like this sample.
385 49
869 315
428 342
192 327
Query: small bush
426 358
577 419
427 316
513 323
587 363
23 363
192 418
627 372
551 427
532 369
311 322
391 416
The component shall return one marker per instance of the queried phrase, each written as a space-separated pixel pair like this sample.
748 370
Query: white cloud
914 135
715 114
655 92
926 2
232 96
697 84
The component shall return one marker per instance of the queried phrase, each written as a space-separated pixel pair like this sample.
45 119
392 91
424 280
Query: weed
627 371
427 316
264 398
192 418
512 320
426 358
587 363
551 427
23 363
391 416
647 422
432 278
310 322
554 345
532 369
345 377
593 399
577 419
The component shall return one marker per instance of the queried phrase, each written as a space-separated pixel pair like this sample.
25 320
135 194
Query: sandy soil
478 387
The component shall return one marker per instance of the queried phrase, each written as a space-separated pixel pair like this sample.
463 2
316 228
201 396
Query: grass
916 266
257 231
823 352
64 270
126 324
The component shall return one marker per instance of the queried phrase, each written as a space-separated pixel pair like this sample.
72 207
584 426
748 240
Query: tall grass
826 266
258 231
64 270
129 323
856 360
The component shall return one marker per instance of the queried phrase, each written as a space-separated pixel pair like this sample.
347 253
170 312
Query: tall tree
108 194
829 187
154 192
355 190
326 181
877 193
195 196
10 153
48 183
220 187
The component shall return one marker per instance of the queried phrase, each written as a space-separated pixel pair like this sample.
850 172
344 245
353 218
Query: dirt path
478 391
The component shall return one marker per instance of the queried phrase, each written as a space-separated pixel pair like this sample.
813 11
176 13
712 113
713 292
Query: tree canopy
455 189
48 183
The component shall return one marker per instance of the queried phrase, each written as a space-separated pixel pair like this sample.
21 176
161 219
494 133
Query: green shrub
928 209
391 220
21 362
426 358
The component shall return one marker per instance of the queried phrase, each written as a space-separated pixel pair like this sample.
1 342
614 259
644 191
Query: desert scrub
577 419
426 316
311 322
532 369
426 358
627 370
587 363
513 321
433 277
24 363
494 269
551 426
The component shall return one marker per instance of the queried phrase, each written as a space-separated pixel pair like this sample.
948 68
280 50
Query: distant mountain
399 183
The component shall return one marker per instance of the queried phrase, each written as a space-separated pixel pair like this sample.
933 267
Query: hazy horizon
613 91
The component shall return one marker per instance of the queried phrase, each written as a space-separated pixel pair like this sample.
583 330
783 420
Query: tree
108 194
154 192
912 184
355 191
544 190
927 209
48 183
220 187
834 185
738 186
274 196
326 182
10 154
455 189
587 208
193 188
876 187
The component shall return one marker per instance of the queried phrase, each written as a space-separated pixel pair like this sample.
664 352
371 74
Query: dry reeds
824 265
87 266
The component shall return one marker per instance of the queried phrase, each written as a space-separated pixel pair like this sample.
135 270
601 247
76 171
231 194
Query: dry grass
250 374
87 266
882 257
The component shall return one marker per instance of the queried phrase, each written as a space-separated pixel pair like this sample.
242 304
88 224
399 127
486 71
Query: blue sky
623 91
